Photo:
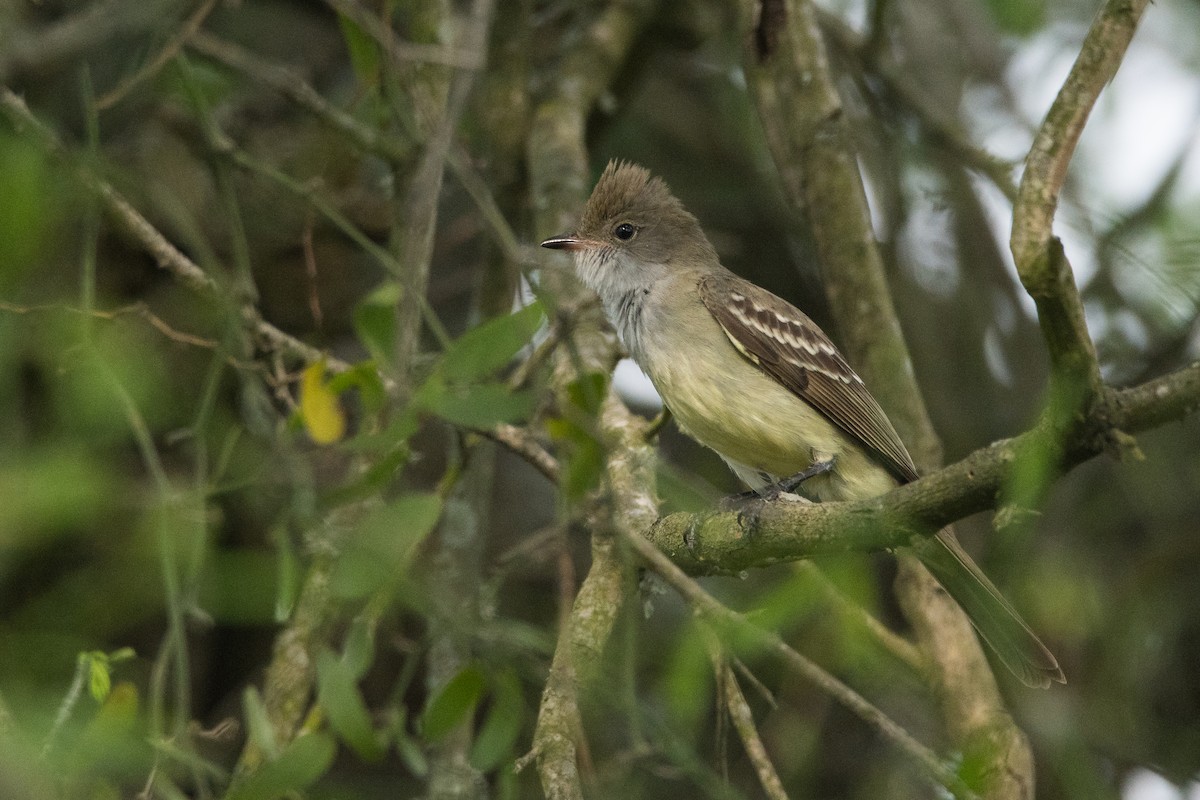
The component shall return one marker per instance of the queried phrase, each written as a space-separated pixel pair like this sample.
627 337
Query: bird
749 375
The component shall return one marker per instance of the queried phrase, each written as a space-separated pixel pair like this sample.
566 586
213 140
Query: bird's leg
749 504
771 492
657 424
787 485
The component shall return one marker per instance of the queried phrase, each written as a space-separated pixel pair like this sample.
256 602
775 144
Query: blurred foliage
174 490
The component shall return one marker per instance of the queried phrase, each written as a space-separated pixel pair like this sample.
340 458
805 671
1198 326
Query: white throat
623 284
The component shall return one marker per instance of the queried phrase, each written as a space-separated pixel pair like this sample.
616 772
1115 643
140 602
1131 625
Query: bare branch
372 140
161 59
291 84
743 720
801 111
519 441
1041 263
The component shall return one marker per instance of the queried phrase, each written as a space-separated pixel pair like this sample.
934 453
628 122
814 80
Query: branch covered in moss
559 177
717 543
801 111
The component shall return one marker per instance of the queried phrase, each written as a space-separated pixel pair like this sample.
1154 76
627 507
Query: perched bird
747 374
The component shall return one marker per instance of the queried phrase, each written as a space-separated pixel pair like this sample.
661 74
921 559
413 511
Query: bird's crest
626 189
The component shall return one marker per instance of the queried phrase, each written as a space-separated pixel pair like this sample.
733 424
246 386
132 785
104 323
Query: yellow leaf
319 409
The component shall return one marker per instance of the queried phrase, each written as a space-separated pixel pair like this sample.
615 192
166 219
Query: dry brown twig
743 719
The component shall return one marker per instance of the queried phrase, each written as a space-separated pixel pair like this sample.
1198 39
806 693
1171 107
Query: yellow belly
727 403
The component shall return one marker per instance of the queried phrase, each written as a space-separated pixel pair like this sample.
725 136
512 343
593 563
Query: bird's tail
997 622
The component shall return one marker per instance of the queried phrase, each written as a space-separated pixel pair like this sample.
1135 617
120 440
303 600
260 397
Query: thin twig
397 50
292 85
522 443
743 719
1041 263
161 59
900 648
372 140
713 610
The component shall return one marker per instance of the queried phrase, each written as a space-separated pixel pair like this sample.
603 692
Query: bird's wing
784 343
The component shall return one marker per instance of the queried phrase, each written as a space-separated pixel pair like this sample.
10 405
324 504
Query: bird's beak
568 242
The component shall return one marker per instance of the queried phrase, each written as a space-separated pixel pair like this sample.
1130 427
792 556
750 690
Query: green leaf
364 52
359 650
486 348
123 654
305 760
584 462
1019 17
412 754
384 545
450 707
258 723
687 680
397 433
370 483
363 376
99 676
26 213
50 489
587 392
288 569
498 735
337 691
375 322
409 748
480 406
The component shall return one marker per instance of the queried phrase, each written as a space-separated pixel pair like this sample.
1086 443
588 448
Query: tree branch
721 616
743 719
716 543
558 168
801 111
1041 263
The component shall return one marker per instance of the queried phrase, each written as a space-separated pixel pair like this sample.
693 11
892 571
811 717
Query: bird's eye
624 231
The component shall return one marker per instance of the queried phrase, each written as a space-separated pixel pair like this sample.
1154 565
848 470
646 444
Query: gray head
633 232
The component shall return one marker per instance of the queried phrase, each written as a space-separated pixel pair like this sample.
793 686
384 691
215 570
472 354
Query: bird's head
633 231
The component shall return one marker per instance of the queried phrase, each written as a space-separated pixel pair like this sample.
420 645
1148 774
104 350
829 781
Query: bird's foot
750 504
791 483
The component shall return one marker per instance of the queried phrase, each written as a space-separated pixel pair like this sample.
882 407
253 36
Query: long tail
997 622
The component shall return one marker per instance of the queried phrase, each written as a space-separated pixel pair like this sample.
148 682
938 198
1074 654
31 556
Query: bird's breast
728 404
